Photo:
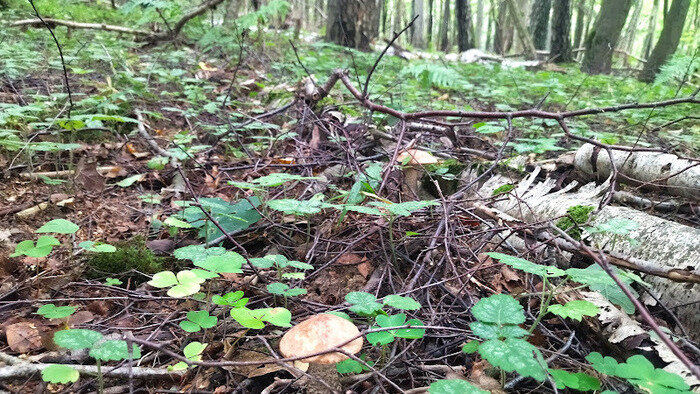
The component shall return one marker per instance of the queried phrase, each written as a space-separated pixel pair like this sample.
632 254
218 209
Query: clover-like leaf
51 311
163 279
363 303
197 320
43 247
114 350
514 355
58 226
400 302
188 284
454 386
76 338
234 299
576 309
499 309
527 266
59 374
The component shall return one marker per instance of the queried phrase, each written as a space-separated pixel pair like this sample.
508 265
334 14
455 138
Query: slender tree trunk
429 28
479 25
444 27
561 26
539 22
385 12
353 24
580 15
668 41
417 38
519 22
601 42
465 39
398 13
501 39
627 40
649 40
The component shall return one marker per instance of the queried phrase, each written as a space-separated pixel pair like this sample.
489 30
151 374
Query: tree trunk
602 40
668 41
561 26
479 28
503 32
417 37
429 28
539 22
628 36
352 23
523 34
398 13
649 40
465 39
444 27
580 16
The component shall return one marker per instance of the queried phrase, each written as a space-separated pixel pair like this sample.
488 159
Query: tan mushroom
414 159
316 334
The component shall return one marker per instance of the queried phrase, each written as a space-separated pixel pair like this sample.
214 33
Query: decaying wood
671 246
661 171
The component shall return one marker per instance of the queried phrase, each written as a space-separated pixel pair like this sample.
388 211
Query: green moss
576 215
131 256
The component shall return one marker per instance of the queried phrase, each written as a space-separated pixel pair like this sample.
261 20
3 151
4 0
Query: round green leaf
58 226
51 311
76 338
189 326
59 374
114 350
163 279
400 302
454 386
230 262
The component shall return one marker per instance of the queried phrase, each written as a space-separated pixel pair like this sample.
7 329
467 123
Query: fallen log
660 171
670 246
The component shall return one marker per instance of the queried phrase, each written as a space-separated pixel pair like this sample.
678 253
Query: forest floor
201 104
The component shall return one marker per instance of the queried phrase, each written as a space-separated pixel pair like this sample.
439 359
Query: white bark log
658 241
662 171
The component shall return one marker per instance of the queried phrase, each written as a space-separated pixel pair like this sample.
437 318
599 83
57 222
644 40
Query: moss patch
578 214
130 256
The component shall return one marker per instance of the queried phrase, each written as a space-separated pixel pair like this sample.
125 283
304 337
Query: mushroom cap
318 333
418 157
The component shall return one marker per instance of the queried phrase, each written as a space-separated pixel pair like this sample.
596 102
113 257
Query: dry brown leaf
23 337
80 317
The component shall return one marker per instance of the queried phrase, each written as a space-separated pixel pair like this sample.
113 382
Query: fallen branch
141 34
18 368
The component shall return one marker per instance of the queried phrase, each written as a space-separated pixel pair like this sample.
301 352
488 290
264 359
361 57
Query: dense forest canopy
359 196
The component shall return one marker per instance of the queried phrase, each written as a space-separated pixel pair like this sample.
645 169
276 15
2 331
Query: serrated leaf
527 266
574 309
76 338
514 355
58 226
363 303
59 374
499 309
493 331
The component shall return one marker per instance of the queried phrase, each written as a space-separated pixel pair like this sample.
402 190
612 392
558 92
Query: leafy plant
59 374
51 311
640 372
197 320
454 386
184 284
387 336
193 352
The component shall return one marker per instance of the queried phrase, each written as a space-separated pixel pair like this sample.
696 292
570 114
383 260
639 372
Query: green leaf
514 355
280 317
188 284
44 246
92 246
113 282
202 319
51 311
296 207
577 381
76 338
400 302
574 309
641 372
494 331
228 263
499 309
58 226
470 347
527 266
404 208
189 326
163 279
157 163
175 222
454 386
363 303
617 226
380 338
193 350
246 318
196 253
114 350
234 299
126 182
59 374
349 366
599 280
